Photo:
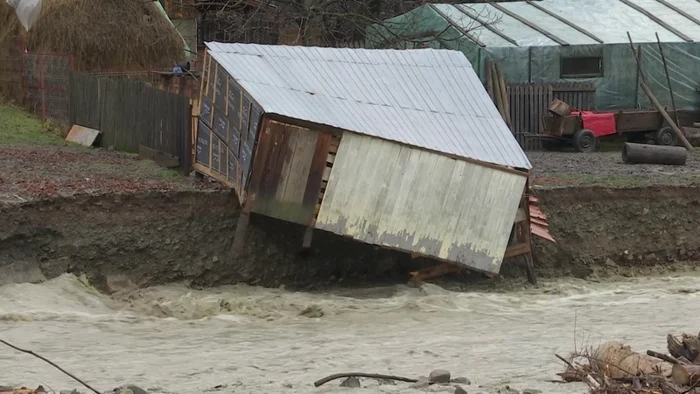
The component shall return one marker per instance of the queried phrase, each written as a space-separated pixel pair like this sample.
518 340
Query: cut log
685 375
653 154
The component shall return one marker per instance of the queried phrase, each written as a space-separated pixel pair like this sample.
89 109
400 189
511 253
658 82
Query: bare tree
330 22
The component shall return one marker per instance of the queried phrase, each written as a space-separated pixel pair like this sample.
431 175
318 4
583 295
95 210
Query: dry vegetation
614 368
104 34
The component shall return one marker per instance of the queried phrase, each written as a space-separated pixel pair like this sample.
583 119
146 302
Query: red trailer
582 129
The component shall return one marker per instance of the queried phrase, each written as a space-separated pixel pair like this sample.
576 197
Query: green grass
17 127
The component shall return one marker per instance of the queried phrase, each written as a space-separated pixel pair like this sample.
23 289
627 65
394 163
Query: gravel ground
559 169
36 163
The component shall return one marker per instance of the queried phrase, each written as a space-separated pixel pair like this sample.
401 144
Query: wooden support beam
528 23
657 20
517 250
565 21
656 102
456 26
488 25
241 228
680 11
308 236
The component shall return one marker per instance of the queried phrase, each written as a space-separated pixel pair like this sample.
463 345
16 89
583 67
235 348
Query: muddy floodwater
256 340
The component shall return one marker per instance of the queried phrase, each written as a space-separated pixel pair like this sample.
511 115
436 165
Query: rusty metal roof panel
426 98
384 193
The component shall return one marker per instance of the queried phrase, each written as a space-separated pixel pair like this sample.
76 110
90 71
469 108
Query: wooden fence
528 102
132 116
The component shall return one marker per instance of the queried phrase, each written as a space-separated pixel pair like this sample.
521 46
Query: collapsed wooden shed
401 149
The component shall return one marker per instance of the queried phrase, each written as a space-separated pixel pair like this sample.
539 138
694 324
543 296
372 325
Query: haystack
110 35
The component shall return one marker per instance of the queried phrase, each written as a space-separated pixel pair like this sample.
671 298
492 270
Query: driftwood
362 375
613 368
653 154
686 374
50 362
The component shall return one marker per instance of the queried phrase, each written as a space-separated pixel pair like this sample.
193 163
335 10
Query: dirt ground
36 163
561 169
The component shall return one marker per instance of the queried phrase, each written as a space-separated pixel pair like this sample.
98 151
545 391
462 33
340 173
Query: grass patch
17 127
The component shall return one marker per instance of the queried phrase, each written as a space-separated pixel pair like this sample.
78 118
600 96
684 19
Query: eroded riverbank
153 238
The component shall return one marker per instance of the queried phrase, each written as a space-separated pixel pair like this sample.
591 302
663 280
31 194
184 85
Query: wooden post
529 261
308 236
668 80
656 102
241 228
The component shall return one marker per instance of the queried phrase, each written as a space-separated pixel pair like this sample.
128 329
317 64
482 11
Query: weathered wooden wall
528 102
287 172
131 113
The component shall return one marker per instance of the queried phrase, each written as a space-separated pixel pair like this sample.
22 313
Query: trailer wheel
584 141
665 136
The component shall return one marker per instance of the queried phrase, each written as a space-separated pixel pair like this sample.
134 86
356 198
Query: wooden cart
583 128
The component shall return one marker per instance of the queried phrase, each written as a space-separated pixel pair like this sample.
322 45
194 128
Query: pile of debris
614 368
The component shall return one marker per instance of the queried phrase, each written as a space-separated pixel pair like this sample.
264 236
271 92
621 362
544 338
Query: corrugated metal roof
608 20
427 98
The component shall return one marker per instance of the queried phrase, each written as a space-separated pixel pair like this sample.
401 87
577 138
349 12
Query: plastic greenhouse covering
484 32
27 11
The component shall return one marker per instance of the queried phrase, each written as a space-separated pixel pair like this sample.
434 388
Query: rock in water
462 380
351 382
460 390
439 376
531 391
420 384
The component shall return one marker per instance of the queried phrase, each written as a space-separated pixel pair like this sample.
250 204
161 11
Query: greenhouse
552 41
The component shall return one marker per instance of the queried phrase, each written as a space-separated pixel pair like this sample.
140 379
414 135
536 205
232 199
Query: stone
420 384
439 376
351 382
508 390
130 389
532 391
609 262
460 390
461 380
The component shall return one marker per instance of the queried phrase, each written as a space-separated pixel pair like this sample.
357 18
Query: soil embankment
160 237
627 231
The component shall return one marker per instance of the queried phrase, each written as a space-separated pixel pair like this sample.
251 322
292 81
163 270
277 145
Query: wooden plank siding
287 172
529 102
388 194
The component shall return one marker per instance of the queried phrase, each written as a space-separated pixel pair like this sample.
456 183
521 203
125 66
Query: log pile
614 368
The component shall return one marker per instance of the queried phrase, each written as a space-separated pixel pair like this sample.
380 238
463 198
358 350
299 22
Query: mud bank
153 238
620 231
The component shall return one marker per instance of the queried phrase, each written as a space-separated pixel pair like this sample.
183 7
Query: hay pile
614 368
110 35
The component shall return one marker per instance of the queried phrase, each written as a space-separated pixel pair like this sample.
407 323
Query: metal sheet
287 172
383 193
425 98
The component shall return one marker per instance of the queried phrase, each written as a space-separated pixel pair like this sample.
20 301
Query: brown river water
254 340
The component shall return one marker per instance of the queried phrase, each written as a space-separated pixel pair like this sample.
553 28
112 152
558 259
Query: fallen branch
362 375
585 377
50 362
662 356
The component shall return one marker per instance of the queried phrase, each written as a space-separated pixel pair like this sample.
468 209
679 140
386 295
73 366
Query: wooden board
161 158
287 171
82 135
